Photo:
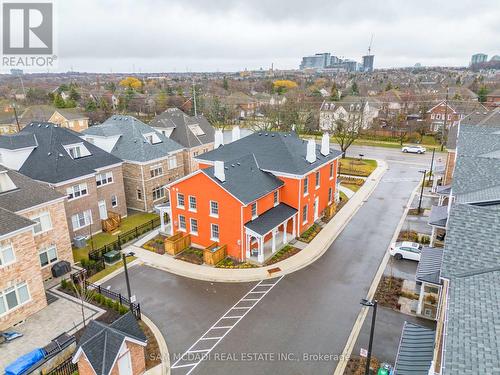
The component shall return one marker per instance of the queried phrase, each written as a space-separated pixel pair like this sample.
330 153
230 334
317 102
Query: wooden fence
214 253
176 243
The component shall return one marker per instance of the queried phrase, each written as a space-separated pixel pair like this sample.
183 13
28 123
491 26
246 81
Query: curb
165 355
353 336
320 244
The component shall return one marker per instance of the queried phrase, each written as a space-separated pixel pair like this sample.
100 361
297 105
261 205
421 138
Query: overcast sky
231 35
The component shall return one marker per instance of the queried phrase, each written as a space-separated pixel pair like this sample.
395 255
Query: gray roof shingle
415 351
182 125
429 266
17 141
277 152
10 222
50 162
438 216
245 180
131 145
271 218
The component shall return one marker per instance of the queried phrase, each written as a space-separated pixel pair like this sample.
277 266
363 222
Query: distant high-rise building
478 58
16 72
495 58
317 61
368 63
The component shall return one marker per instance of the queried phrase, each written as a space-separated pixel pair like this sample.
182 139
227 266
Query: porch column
273 240
247 243
162 220
433 236
294 219
285 224
260 257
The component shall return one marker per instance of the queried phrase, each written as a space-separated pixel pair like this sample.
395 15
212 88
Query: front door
316 208
103 213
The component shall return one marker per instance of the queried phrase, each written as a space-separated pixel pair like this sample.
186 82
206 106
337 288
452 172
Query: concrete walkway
348 192
311 253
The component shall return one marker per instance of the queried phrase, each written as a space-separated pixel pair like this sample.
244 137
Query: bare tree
345 132
220 114
83 294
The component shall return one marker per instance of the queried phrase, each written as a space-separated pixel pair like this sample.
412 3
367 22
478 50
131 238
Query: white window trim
106 183
189 203
155 167
317 180
2 295
211 232
46 213
91 221
45 250
116 199
13 254
72 188
159 187
331 196
256 210
182 207
304 219
191 226
306 193
333 171
185 223
277 201
210 207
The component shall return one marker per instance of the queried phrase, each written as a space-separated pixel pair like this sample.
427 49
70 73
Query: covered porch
270 232
165 212
437 220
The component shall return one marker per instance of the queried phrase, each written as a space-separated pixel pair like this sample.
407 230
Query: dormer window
77 151
196 130
152 138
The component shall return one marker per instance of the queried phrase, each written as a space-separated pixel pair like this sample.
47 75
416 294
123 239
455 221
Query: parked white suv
406 250
416 149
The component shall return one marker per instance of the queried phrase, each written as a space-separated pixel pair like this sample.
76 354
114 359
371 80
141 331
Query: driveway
303 323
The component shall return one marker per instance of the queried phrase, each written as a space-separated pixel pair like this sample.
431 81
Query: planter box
178 242
214 253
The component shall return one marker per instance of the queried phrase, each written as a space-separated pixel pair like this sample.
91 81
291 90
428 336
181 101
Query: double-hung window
214 232
7 255
276 198
158 193
13 297
330 195
81 219
172 162
194 226
192 203
331 171
104 178
318 179
156 171
77 191
43 223
47 255
304 214
306 186
214 208
182 222
254 210
180 201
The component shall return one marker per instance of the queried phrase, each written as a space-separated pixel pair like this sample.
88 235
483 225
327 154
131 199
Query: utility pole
194 99
421 191
443 131
17 119
432 165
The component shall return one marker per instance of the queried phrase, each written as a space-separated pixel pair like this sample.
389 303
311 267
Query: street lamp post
432 165
421 191
127 280
373 304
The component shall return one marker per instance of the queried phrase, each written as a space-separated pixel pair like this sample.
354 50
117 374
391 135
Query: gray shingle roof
29 193
438 216
271 219
483 118
473 331
17 141
181 123
101 343
278 152
415 351
472 239
71 113
50 162
478 140
10 222
429 266
245 180
132 145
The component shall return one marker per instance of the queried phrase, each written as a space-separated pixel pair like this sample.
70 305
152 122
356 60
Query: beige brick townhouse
33 237
151 160
91 178
194 133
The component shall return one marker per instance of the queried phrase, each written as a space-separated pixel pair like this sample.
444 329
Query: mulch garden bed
191 255
282 254
309 234
233 263
356 365
388 292
156 244
153 354
408 235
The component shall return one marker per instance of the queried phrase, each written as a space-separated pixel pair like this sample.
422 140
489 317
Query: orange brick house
255 194
115 349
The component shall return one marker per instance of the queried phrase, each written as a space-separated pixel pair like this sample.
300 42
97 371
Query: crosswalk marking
202 353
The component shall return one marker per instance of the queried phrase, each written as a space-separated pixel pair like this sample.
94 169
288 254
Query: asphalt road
302 324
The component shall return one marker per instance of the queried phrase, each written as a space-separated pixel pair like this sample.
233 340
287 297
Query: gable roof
17 141
273 151
101 343
131 144
244 180
10 222
50 162
483 118
71 113
182 125
36 113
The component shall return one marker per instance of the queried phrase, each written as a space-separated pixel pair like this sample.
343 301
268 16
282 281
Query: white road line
229 328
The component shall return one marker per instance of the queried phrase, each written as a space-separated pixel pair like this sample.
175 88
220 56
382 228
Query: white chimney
218 138
219 171
235 133
311 151
325 144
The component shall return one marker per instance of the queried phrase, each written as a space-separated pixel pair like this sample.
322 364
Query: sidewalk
311 253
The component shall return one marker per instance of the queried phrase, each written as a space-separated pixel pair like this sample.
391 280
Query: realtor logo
28 35
27 29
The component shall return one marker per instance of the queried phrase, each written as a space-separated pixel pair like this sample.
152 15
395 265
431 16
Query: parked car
406 250
415 149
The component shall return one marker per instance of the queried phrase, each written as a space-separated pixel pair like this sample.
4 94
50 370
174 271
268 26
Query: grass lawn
101 239
354 166
352 187
343 196
388 144
109 269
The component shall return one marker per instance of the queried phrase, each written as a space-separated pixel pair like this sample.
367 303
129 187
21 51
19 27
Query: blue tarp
24 362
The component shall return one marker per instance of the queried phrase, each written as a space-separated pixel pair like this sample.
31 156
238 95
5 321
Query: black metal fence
123 238
65 368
